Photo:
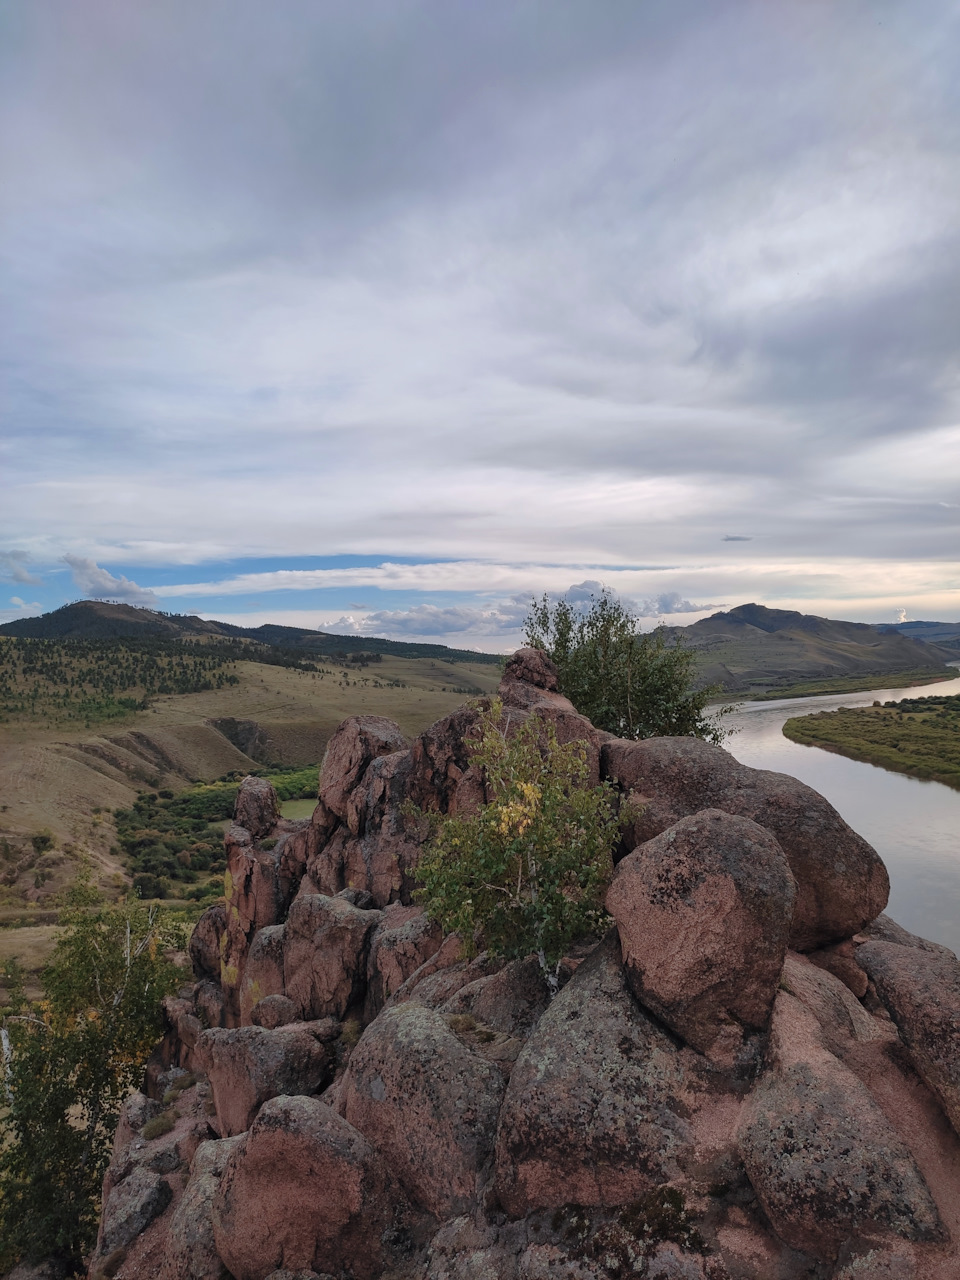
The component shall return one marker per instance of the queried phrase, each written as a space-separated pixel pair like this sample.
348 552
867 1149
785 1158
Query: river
913 824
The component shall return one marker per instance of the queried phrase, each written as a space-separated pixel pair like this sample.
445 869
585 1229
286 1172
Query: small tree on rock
633 684
528 871
67 1062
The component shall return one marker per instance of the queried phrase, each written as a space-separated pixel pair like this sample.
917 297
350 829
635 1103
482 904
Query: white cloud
13 568
102 585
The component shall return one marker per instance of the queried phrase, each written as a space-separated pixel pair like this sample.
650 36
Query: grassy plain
917 736
63 776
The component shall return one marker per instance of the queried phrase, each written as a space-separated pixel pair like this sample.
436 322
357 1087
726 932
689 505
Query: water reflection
913 824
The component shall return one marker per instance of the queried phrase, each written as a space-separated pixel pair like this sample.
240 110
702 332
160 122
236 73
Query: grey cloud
13 568
102 585
506 617
434 620
737 537
703 243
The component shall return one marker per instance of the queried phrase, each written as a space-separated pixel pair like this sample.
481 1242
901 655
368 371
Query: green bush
629 683
527 872
70 1060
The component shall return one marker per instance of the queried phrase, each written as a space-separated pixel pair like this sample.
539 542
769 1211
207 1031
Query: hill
103 620
753 649
945 634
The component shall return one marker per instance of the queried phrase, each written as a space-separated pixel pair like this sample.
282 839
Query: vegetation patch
850 684
918 736
168 839
527 872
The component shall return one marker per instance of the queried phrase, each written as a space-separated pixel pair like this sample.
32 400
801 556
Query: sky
384 318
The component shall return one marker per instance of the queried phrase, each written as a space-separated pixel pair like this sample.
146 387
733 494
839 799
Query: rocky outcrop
325 947
592 1114
921 990
696 1102
357 742
704 912
841 882
428 1103
248 1065
826 1164
302 1191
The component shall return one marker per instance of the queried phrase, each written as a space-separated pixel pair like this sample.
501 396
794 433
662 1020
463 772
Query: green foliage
527 872
169 838
159 1125
629 683
69 1060
916 736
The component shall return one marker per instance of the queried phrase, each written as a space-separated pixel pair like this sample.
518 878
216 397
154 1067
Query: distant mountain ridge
104 620
752 647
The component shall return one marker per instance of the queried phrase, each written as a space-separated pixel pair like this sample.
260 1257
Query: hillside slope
752 648
103 620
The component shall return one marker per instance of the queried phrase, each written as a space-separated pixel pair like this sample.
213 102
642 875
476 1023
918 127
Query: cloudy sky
384 316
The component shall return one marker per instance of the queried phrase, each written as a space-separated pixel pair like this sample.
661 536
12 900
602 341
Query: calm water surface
913 824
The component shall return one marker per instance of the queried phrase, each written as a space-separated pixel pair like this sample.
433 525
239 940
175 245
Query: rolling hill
103 620
753 649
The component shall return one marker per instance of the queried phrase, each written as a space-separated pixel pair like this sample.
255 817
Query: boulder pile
755 1074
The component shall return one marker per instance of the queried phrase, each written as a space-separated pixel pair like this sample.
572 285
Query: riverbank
916 736
847 684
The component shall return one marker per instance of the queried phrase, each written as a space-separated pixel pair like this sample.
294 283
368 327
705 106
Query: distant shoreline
842 684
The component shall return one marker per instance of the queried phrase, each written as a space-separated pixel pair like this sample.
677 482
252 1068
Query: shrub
69 1061
629 683
159 1125
527 873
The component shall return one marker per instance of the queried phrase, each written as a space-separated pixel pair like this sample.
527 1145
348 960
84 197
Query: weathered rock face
921 990
428 1103
257 809
205 943
191 1253
823 1159
403 940
325 947
704 912
357 742
263 971
303 1191
592 1114
841 882
248 1065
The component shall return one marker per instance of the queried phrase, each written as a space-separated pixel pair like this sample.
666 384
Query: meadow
917 736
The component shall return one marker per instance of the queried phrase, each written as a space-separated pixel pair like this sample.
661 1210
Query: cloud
102 585
505 617
737 537
469 283
28 610
12 568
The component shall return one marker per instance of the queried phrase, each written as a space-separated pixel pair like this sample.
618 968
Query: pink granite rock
403 940
357 741
273 1011
326 942
921 990
841 962
512 1000
204 944
593 1113
427 1103
841 881
257 807
703 912
304 1191
263 971
824 1161
248 1065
